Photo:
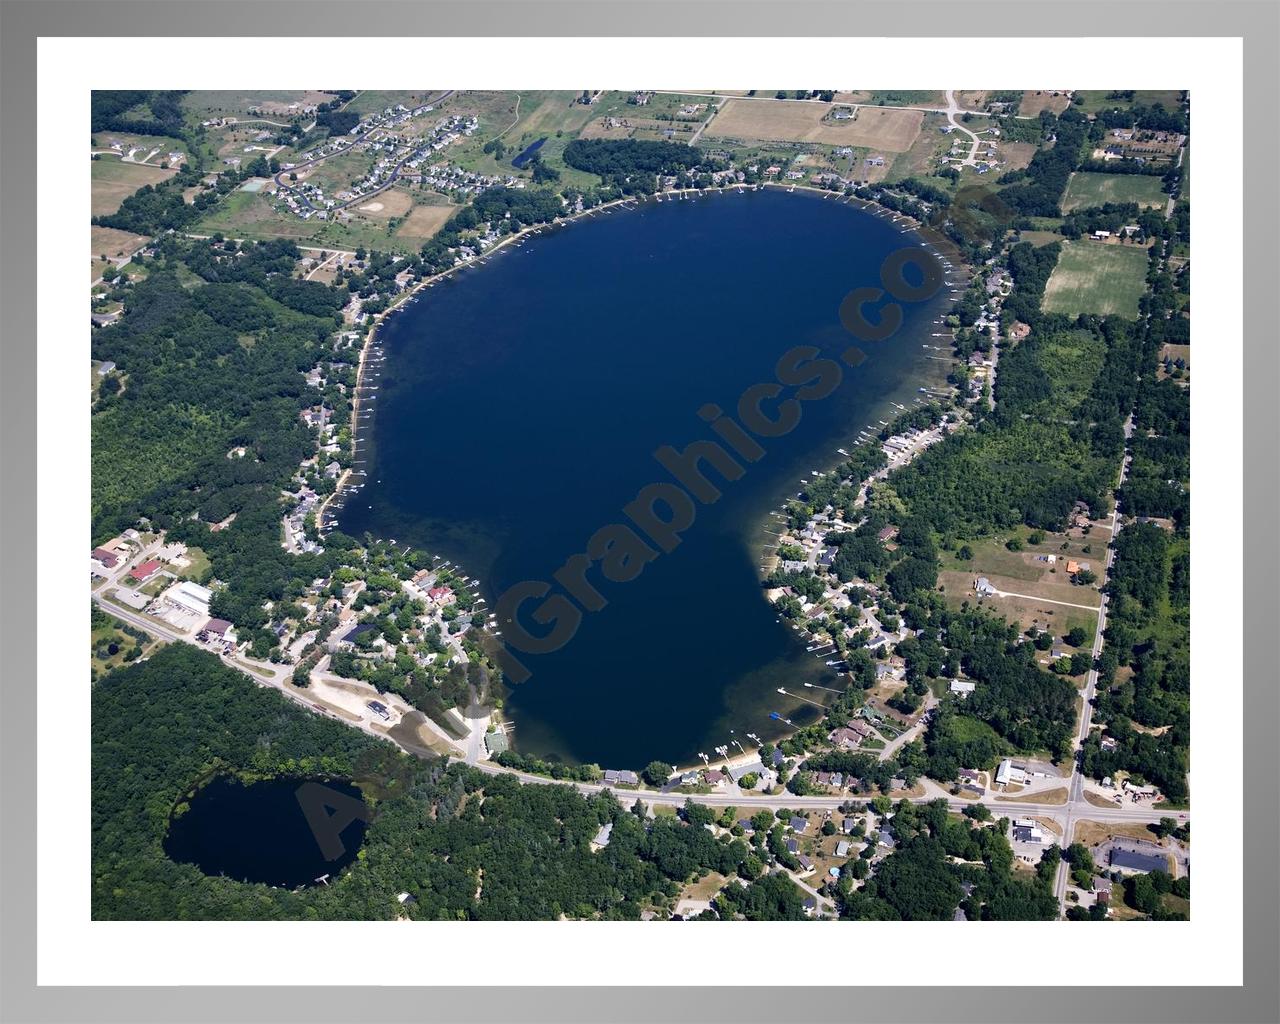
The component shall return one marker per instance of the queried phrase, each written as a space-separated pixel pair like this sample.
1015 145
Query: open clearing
113 244
1087 188
113 181
1091 833
888 128
1092 277
1036 100
1051 796
424 222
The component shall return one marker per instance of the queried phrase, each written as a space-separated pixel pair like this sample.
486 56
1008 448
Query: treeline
1037 190
1114 216
154 209
631 165
210 368
1146 710
117 110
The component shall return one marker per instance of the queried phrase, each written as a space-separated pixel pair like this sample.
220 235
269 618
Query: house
959 915
715 777
798 824
496 742
622 778
107 558
805 863
886 839
983 587
810 905
379 709
842 848
888 533
441 596
690 779
1101 235
964 687
106 367
1073 567
1127 859
793 846
145 570
1019 330
848 825
601 839
1101 889
406 898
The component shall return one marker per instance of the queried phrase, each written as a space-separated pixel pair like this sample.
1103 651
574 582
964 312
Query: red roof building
145 571
107 558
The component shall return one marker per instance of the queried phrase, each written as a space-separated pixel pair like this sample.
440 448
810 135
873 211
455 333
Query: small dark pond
533 147
282 832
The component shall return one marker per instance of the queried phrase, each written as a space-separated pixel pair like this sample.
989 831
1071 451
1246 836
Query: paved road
1075 793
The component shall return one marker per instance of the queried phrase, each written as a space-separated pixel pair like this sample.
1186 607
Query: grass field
887 128
1093 277
895 97
1096 99
113 181
1087 188
275 103
1036 100
423 222
112 244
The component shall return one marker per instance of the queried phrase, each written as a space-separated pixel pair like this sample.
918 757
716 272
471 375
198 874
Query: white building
190 596
1008 773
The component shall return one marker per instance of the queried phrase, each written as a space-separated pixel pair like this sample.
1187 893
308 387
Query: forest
467 846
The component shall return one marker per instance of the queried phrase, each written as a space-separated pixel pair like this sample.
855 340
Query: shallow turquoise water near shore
518 410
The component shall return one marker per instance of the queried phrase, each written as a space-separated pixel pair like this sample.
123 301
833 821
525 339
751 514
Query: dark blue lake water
519 408
259 831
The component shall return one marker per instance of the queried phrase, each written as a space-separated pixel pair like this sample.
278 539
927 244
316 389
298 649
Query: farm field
1093 277
113 181
887 128
1086 188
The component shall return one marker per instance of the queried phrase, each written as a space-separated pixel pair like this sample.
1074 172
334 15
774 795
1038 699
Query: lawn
1086 189
1094 277
113 181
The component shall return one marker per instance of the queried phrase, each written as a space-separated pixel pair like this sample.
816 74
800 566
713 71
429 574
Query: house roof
145 569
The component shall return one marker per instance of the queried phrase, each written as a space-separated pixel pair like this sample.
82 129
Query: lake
519 408
259 831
